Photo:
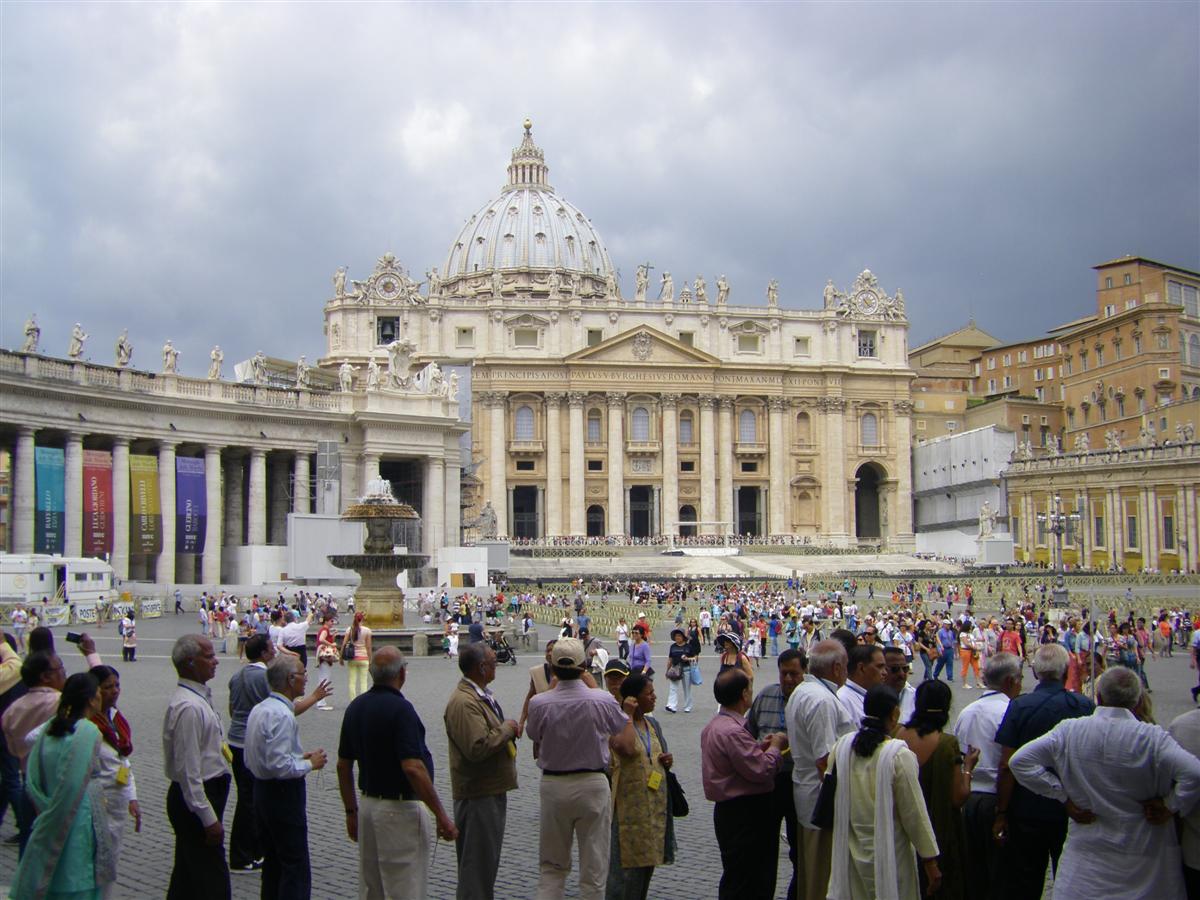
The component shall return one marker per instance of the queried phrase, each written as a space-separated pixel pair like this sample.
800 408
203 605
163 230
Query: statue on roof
399 361
216 357
302 377
372 374
170 358
700 289
642 280
124 349
258 368
346 376
773 292
33 334
434 281
339 282
722 290
831 295
666 292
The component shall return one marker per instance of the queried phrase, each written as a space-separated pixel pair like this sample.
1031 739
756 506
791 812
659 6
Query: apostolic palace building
515 375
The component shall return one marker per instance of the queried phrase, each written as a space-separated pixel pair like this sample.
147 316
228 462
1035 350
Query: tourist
898 667
20 621
357 652
482 771
765 718
43 675
1186 731
815 720
639 654
275 759
679 672
880 823
294 635
947 646
1121 781
66 856
198 774
643 832
570 726
327 654
739 778
925 646
945 775
622 639
114 770
384 736
128 629
866 669
729 646
247 688
976 728
615 673
1031 828
969 650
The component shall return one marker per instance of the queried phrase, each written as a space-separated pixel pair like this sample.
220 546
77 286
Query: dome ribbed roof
528 227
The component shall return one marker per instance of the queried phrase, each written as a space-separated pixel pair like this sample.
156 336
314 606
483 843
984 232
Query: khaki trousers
574 806
393 849
814 862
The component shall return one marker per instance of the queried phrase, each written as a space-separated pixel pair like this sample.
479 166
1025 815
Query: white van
27 578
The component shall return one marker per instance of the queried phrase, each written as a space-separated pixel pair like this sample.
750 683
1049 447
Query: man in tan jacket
482 771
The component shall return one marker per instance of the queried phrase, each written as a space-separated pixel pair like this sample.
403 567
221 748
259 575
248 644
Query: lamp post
1057 523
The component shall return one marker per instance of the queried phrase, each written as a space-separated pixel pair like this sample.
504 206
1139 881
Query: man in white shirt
815 719
1186 730
976 728
1122 781
274 757
867 669
294 635
897 667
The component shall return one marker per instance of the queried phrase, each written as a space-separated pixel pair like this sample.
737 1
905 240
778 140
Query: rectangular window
866 343
1008 359
593 429
1168 524
524 465
525 337
1041 530
991 385
387 329
464 337
1131 303
801 346
1099 356
1037 374
1107 283
950 404
595 465
688 338
1040 394
749 467
1129 279
1022 356
1131 524
991 363
1098 529
594 336
747 343
687 465
1007 382
685 430
1110 310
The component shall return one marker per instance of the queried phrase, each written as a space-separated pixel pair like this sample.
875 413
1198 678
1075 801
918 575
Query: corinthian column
210 560
300 484
616 463
778 501
73 489
553 521
120 507
434 526
498 458
164 569
725 463
708 475
670 464
575 465
258 498
24 499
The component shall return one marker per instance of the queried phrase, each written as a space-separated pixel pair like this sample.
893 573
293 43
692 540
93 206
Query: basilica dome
528 229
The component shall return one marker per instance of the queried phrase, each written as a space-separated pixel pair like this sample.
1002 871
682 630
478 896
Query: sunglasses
896 669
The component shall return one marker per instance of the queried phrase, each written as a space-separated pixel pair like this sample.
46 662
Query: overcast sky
198 171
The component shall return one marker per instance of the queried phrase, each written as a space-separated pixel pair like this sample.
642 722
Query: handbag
823 812
695 673
676 797
674 672
347 650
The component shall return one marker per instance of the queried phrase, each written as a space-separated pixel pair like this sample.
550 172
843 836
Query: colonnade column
1149 535
453 494
553 519
1112 504
835 467
258 498
210 560
780 519
301 501
1084 543
279 507
234 532
669 511
616 463
498 460
24 492
120 507
434 502
725 464
164 569
73 488
902 454
708 474
575 466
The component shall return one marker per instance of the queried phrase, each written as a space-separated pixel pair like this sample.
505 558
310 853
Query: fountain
378 597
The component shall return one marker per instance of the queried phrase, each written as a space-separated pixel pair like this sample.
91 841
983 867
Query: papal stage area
514 376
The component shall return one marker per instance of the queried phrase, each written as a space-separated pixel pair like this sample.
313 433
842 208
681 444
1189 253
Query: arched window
1194 349
803 428
747 427
593 426
686 428
523 424
869 429
641 424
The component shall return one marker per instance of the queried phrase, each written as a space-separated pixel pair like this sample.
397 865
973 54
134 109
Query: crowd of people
877 793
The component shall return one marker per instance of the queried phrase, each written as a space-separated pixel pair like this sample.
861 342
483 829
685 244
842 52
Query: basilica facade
672 412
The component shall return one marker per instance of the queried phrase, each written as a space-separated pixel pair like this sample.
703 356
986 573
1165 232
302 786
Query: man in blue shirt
947 641
274 756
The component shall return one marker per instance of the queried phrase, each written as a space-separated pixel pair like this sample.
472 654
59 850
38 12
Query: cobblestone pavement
146 859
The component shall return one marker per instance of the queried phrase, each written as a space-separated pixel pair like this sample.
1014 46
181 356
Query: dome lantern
528 168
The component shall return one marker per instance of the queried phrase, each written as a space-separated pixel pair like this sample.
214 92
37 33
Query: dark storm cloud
198 171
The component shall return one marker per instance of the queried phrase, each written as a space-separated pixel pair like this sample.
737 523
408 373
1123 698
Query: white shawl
886 887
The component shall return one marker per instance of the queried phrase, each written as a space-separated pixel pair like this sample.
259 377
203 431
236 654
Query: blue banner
49 469
191 510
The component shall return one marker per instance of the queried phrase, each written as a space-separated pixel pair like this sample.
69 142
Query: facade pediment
643 345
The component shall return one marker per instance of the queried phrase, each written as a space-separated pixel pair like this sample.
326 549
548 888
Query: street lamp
1058 523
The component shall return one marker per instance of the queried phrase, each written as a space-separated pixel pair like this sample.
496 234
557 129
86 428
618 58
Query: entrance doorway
866 501
525 512
687 514
749 516
595 521
640 507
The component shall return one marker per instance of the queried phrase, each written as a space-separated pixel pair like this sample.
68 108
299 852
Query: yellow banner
145 513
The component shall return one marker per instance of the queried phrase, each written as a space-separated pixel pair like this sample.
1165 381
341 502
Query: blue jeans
774 645
945 661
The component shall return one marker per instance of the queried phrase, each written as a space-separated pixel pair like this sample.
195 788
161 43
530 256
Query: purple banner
191 510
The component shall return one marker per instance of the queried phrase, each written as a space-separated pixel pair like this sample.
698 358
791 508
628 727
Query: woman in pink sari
1074 680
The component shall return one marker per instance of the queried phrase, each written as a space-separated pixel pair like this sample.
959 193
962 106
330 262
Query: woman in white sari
880 824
